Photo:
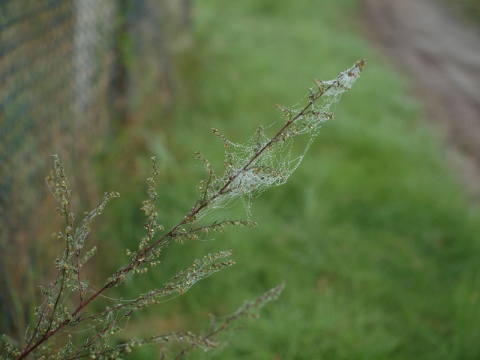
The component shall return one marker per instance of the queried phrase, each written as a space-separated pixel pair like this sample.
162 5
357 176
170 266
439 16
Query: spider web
262 162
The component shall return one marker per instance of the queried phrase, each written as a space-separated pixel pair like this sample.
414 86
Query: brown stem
169 235
166 238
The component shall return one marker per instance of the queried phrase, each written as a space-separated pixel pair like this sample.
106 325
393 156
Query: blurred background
377 232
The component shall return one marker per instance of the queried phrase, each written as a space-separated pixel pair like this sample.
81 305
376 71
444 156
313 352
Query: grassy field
374 237
468 9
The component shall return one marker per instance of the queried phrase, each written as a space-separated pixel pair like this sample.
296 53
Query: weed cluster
70 324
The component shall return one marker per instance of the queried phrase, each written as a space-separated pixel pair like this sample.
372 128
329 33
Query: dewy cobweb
266 161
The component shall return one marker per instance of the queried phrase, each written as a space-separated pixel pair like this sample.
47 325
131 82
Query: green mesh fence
68 69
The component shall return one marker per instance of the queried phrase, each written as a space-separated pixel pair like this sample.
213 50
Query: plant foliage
69 326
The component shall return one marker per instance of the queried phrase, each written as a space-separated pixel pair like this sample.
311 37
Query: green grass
468 10
374 237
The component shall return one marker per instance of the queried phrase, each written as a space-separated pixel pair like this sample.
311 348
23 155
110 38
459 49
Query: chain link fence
68 69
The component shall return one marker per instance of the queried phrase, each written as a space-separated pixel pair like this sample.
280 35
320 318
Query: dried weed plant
68 327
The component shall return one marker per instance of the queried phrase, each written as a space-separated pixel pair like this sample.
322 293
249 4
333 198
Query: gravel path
442 56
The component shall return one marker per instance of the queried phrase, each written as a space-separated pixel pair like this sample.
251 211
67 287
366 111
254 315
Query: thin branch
164 240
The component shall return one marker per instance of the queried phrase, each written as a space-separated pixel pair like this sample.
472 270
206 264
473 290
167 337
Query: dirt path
442 56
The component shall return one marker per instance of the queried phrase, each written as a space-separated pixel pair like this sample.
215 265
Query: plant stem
164 240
